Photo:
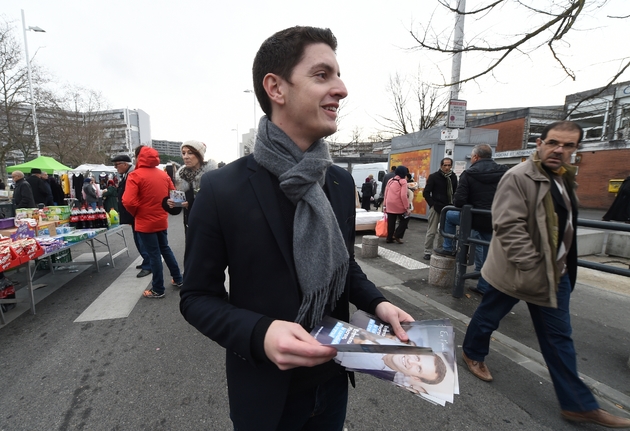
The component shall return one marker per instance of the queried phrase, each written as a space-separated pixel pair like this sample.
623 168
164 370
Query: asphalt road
152 371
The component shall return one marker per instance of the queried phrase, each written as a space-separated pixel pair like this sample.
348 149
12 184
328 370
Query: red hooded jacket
146 187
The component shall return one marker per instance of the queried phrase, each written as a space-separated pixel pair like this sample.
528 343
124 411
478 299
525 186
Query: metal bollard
369 246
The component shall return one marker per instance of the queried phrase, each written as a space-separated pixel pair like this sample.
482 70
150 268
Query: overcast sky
187 63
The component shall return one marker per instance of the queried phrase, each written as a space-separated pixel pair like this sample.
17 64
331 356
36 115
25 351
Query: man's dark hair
445 159
137 150
393 168
563 125
282 52
483 151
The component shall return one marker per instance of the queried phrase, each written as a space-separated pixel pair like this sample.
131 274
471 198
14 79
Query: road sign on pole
456 118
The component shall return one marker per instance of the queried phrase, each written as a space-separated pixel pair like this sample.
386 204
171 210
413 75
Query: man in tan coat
533 257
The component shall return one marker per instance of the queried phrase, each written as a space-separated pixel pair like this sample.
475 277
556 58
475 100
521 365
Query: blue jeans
320 408
553 329
452 220
146 262
481 253
156 246
93 205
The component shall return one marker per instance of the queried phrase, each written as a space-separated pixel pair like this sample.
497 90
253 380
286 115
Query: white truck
361 172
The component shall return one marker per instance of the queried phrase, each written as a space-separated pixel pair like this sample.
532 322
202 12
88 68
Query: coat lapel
262 185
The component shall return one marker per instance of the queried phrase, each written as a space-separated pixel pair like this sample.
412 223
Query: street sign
449 134
456 114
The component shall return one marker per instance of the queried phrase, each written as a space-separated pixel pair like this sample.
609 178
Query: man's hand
288 345
388 312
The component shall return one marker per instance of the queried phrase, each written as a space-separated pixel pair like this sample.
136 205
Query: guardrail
465 243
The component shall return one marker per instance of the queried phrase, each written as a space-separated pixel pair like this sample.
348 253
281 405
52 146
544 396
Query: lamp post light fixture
30 80
253 94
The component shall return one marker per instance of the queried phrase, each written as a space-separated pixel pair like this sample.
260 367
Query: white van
361 172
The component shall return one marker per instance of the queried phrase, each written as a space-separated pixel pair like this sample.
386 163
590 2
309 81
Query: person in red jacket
146 188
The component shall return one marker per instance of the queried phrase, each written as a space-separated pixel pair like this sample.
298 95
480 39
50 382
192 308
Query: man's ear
273 85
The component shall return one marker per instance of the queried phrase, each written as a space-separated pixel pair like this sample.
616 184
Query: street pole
238 147
253 94
30 81
456 66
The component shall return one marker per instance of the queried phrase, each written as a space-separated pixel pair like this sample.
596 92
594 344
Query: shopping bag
381 227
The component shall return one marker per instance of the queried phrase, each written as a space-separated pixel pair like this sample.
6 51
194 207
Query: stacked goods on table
88 218
57 213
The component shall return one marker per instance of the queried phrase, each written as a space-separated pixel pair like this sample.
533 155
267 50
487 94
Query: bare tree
542 26
16 122
416 104
74 130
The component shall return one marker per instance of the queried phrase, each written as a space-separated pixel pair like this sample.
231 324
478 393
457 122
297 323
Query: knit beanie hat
200 147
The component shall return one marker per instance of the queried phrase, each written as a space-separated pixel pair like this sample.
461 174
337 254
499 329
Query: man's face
121 167
421 366
15 177
447 166
44 176
557 147
312 98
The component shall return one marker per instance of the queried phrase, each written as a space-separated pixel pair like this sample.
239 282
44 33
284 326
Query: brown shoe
599 417
398 240
478 369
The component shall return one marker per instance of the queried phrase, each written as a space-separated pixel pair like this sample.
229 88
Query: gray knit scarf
449 185
319 251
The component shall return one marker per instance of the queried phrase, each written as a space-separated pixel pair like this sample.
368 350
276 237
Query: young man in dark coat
282 221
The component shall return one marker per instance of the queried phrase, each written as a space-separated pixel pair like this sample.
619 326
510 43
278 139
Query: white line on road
119 298
399 259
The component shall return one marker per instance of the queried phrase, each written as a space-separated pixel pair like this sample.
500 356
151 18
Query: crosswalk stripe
399 259
119 298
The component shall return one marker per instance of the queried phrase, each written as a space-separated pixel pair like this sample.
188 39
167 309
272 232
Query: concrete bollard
369 246
442 271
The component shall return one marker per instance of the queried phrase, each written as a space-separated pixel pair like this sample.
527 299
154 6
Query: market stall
37 236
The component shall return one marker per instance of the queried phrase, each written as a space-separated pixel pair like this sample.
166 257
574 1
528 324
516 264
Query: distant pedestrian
367 194
89 192
146 189
22 193
386 178
110 197
123 165
40 191
620 208
188 177
396 205
477 186
533 257
438 193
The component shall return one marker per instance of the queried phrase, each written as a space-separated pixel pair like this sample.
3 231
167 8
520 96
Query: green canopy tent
45 163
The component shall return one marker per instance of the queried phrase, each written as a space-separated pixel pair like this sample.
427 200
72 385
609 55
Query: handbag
381 227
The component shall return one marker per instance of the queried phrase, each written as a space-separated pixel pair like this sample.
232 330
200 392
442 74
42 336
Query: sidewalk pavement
599 309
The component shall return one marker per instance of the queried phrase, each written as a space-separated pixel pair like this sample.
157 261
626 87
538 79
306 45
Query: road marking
399 259
51 282
119 298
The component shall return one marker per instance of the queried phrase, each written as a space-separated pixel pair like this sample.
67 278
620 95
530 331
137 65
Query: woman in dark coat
367 194
110 197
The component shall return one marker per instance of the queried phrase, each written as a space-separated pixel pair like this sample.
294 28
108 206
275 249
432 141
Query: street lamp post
253 94
30 80
238 147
